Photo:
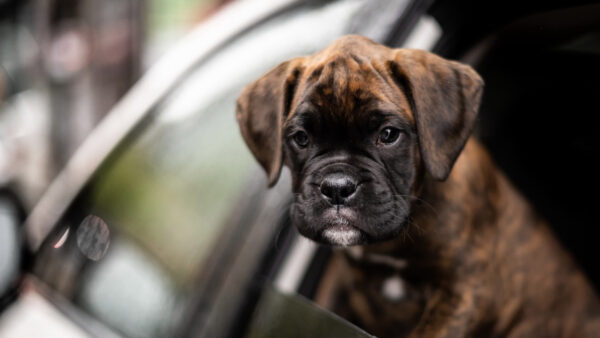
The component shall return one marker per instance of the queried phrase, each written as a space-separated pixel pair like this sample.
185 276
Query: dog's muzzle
338 190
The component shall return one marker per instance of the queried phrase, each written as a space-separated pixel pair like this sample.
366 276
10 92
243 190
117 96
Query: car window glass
277 316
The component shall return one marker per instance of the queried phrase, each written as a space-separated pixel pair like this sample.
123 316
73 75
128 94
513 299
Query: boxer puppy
378 144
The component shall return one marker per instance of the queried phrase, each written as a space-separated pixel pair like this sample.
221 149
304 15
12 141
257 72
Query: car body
198 245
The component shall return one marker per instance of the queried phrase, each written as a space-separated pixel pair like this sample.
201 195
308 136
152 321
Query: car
161 224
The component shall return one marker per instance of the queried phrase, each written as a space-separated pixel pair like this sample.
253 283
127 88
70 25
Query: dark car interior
538 115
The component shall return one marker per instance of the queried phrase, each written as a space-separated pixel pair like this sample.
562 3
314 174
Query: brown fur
480 263
475 258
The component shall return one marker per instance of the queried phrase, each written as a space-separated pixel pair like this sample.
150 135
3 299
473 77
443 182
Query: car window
167 193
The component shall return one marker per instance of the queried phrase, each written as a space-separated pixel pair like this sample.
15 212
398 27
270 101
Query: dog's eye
301 139
389 135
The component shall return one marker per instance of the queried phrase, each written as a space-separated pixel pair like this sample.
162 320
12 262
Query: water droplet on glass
93 237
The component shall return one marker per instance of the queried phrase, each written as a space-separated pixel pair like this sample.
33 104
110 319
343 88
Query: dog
379 145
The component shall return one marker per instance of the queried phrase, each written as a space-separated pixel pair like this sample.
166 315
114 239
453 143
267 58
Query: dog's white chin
341 235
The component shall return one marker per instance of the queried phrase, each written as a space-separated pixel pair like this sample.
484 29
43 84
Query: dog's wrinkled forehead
348 79
353 77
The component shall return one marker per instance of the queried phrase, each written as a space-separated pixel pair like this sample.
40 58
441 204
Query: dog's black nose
338 188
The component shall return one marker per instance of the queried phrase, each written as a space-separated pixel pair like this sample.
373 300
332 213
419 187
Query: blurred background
131 207
64 64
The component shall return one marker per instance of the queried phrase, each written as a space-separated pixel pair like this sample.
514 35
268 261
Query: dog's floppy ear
444 97
261 110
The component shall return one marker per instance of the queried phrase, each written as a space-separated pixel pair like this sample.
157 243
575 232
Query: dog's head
358 124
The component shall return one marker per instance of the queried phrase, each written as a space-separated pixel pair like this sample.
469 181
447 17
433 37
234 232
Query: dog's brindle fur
474 258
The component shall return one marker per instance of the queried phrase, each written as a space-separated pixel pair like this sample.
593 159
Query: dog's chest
376 293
